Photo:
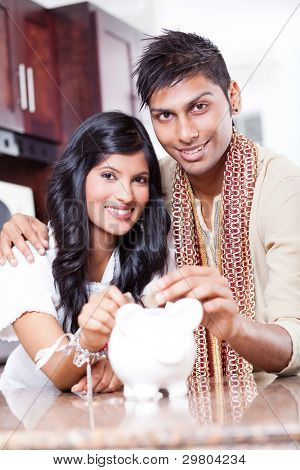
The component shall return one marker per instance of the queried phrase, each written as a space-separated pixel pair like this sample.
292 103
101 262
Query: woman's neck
102 245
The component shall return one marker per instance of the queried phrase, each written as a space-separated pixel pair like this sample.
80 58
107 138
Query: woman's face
117 191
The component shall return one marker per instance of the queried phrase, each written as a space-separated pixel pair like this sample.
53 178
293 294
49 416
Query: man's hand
18 229
220 311
103 378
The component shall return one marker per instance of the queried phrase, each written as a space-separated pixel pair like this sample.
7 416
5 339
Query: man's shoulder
167 164
274 166
167 168
277 186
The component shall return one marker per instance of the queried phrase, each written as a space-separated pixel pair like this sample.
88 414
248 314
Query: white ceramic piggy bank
153 348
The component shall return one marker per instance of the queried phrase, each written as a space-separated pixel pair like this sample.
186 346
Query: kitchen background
61 62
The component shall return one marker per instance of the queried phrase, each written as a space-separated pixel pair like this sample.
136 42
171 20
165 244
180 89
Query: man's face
193 123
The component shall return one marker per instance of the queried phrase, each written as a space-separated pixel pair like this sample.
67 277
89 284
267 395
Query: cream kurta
274 242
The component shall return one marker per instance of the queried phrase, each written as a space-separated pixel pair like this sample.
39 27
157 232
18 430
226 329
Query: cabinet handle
30 86
22 83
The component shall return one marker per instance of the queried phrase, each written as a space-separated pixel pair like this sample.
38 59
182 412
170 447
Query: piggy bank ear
128 317
190 310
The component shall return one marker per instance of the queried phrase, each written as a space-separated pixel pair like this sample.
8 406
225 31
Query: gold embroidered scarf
214 357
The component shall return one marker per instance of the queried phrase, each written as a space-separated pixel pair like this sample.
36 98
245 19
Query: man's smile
192 154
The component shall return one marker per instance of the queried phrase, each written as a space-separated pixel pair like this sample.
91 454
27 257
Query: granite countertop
253 414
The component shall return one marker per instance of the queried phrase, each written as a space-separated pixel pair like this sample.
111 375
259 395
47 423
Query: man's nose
186 130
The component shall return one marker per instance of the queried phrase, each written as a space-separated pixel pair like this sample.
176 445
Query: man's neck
207 186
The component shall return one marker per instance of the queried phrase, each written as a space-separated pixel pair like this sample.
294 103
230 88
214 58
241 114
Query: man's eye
108 176
200 106
164 116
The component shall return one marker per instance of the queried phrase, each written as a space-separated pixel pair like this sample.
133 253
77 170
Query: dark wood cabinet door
95 56
119 46
11 83
31 63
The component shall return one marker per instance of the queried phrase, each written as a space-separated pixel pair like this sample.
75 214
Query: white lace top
28 288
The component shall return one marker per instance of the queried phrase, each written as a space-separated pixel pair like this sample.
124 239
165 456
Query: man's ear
235 98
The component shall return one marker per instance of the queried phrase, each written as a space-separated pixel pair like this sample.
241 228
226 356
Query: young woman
108 237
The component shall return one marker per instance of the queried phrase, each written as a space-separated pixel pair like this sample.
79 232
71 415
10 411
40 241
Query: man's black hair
175 56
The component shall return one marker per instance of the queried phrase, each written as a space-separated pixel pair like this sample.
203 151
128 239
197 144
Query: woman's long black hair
142 251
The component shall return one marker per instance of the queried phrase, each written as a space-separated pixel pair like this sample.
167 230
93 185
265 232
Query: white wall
244 31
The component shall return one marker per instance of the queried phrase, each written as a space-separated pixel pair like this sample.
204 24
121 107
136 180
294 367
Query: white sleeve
25 288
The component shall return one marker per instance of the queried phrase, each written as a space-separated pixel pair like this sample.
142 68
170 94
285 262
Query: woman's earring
142 226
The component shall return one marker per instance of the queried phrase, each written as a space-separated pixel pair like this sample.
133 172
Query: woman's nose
124 193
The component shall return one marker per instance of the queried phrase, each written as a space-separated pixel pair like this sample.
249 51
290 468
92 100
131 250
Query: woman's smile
120 212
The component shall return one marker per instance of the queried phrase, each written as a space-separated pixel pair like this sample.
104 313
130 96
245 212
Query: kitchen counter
253 413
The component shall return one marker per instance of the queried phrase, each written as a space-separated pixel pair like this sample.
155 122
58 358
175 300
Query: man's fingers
41 231
194 287
14 232
183 273
29 231
210 291
176 291
18 241
6 248
2 258
219 305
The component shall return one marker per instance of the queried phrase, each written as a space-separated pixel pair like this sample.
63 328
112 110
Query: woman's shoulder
27 287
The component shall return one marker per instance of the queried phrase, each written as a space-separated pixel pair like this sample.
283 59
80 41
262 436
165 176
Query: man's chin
194 168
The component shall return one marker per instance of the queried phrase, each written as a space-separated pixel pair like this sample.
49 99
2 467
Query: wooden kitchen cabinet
29 91
95 55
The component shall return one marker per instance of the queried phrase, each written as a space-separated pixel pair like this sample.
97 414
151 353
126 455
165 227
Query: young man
235 209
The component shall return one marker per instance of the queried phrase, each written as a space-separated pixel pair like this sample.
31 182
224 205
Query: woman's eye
108 176
200 106
141 179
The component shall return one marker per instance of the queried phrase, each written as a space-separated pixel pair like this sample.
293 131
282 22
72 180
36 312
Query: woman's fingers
80 386
90 323
97 373
117 296
114 385
104 379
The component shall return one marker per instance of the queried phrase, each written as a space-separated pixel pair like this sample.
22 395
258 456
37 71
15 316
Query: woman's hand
97 317
18 229
220 311
103 379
